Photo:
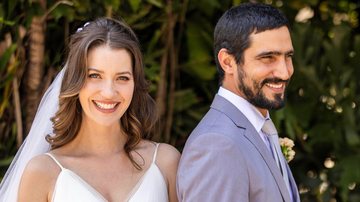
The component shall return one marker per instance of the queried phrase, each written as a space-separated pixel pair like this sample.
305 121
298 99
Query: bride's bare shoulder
42 171
42 164
168 156
167 160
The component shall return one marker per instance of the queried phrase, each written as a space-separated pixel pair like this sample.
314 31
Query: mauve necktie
271 132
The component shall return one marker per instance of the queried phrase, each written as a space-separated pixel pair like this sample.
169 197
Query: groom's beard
255 94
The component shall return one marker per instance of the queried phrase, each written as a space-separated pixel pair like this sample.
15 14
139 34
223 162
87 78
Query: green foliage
200 58
322 112
6 56
324 107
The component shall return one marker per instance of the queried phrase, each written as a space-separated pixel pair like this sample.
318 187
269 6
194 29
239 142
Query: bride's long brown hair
138 121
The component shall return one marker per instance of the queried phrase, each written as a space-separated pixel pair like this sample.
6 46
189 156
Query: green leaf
83 6
11 6
236 2
351 173
6 22
310 74
137 20
6 56
352 136
6 161
208 7
357 44
156 3
113 3
184 99
346 76
199 64
2 15
341 35
134 4
154 40
63 11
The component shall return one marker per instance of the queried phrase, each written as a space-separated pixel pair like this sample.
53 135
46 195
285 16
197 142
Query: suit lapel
269 160
293 186
221 104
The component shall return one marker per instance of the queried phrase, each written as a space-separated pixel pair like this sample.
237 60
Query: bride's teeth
105 106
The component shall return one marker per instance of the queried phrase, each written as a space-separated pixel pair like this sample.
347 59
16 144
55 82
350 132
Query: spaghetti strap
56 161
155 153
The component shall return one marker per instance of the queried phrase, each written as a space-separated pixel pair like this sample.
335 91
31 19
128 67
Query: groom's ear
226 61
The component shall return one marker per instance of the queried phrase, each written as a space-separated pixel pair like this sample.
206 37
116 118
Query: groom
233 154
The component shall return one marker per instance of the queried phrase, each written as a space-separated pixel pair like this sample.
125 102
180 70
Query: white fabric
72 188
271 131
34 143
250 112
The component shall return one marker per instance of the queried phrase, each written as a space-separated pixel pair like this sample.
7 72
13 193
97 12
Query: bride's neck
99 139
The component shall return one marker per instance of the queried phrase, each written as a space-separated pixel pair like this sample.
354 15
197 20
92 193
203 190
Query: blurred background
322 113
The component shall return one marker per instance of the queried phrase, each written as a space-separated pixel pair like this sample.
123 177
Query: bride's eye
123 78
94 75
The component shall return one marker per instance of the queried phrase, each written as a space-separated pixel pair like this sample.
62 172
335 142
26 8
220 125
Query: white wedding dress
70 187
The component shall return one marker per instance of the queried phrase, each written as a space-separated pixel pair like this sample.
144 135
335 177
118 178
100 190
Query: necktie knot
269 127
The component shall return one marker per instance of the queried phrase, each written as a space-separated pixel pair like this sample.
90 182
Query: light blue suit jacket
225 160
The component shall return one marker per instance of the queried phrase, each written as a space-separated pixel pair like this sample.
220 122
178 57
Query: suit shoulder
215 121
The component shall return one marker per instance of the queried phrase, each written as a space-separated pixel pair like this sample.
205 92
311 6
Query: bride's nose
108 89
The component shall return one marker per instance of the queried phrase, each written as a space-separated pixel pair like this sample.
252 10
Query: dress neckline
95 191
88 186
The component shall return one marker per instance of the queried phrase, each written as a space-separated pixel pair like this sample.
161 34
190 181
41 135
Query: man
231 155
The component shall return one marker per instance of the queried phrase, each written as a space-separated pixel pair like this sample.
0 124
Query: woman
99 147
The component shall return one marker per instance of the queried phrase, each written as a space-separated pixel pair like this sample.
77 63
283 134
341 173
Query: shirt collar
245 107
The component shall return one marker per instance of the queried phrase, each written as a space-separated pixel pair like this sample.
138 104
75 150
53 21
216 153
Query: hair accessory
81 28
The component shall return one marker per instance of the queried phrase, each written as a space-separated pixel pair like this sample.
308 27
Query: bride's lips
106 107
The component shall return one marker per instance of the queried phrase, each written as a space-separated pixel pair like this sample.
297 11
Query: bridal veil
34 143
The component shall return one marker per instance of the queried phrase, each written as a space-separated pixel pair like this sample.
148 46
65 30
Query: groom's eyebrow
268 53
272 53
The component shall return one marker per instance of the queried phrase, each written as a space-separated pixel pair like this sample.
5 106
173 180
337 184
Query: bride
90 138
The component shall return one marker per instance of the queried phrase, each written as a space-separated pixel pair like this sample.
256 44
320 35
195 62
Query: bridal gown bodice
70 187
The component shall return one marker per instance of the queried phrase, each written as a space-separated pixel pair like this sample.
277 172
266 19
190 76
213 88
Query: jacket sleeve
212 168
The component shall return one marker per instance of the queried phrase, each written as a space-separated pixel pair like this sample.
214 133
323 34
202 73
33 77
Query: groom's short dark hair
233 29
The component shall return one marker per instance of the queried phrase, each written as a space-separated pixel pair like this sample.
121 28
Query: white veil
35 142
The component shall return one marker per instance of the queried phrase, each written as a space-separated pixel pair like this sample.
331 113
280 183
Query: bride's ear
226 61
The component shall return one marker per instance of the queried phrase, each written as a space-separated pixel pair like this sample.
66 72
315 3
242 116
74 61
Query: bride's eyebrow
94 69
100 71
125 72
